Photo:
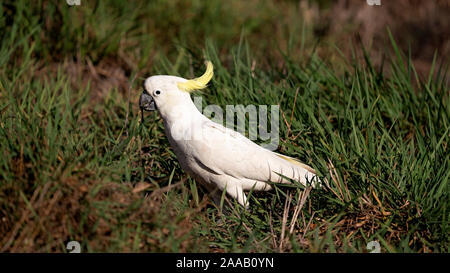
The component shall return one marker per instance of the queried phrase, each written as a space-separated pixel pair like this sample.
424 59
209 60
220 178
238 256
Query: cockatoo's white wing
226 152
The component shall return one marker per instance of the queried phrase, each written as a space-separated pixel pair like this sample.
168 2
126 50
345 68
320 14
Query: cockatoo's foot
216 195
222 202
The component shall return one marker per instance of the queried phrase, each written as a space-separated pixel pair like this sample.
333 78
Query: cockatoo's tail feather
200 82
297 162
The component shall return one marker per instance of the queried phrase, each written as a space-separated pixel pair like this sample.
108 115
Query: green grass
79 164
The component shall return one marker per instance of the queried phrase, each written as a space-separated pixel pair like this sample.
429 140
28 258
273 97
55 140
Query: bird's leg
214 193
216 196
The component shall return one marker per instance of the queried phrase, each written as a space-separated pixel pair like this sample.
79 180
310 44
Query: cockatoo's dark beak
146 102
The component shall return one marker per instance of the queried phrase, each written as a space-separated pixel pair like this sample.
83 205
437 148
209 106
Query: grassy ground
79 164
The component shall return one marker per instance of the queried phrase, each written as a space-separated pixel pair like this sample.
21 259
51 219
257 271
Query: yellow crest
200 82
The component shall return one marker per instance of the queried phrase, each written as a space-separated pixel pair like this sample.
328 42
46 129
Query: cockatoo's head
167 93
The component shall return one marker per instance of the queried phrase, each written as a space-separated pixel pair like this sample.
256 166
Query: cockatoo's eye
157 92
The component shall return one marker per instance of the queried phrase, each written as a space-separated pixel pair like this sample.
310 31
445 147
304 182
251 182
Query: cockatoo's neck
181 121
182 110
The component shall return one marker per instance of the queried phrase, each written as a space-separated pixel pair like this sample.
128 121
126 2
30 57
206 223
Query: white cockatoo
212 154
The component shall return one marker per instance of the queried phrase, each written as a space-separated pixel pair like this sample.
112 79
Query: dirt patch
107 74
421 27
